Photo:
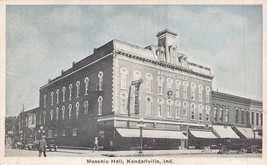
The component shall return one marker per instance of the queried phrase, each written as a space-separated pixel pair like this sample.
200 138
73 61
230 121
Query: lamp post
41 131
141 125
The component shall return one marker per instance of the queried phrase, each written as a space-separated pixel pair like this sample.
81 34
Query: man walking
96 145
42 147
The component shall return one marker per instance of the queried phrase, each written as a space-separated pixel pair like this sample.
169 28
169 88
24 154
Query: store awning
156 134
225 132
248 133
203 134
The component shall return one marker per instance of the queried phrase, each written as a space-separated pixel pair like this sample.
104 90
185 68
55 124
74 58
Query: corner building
97 98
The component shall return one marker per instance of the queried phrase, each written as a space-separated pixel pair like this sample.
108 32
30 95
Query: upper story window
185 109
160 106
215 113
193 91
221 114
70 107
63 112
70 88
57 110
178 109
63 94
44 101
169 83
77 109
242 116
227 115
100 81
51 114
85 107
78 88
123 73
237 115
123 104
185 89
137 75
52 97
207 94
200 112
200 93
207 113
40 118
148 106
57 92
149 82
248 117
252 118
86 82
44 113
169 104
193 111
160 85
177 88
100 105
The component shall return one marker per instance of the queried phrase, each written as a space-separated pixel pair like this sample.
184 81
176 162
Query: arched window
160 85
160 104
177 88
247 117
227 115
63 112
257 118
86 82
77 109
148 106
252 118
85 107
100 81
70 107
44 113
207 113
40 118
123 104
63 94
193 91
70 88
207 94
137 75
44 101
237 115
215 113
242 116
57 92
52 97
193 111
185 89
51 114
169 83
200 92
221 114
100 105
57 110
200 112
123 74
185 109
78 88
149 83
169 104
177 109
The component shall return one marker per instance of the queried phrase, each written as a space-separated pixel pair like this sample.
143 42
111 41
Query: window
70 88
177 88
169 83
185 109
137 75
207 113
160 85
123 104
63 112
85 107
100 105
215 113
44 101
207 94
193 111
63 132
227 115
193 91
237 116
200 92
252 118
257 118
57 110
149 79
51 114
74 132
86 82
55 133
32 119
169 103
44 113
57 92
160 103
200 112
177 109
124 74
63 94
77 109
185 87
261 119
221 114
247 117
242 116
100 81
52 97
78 88
70 107
40 119
148 106
50 133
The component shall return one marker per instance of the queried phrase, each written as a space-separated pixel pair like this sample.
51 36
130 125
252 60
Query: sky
42 40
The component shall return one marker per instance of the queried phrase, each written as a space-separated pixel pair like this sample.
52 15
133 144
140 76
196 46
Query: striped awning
225 131
203 134
248 133
156 134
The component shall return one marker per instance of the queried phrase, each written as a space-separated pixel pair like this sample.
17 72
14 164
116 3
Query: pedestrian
96 145
42 146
